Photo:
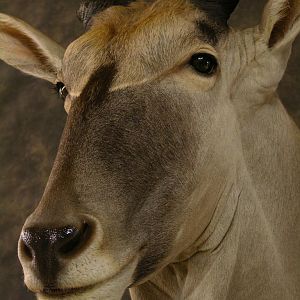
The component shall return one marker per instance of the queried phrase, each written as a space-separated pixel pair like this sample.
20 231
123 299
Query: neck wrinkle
218 227
189 276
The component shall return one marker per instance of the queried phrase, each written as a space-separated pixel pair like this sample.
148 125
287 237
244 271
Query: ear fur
29 50
280 23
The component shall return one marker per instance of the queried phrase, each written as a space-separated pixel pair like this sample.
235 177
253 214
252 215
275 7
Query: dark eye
204 63
62 90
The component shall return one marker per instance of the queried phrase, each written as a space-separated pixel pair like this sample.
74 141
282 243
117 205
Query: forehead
141 39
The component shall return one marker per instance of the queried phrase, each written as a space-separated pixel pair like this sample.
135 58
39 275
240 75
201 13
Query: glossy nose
48 248
60 241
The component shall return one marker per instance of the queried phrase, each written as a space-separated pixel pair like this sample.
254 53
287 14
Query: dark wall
32 119
31 122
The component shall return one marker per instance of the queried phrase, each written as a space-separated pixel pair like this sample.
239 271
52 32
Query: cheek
145 139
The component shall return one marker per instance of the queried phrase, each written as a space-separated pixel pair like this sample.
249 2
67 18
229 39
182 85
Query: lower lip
55 293
61 293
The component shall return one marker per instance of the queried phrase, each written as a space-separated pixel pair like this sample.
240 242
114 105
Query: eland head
155 92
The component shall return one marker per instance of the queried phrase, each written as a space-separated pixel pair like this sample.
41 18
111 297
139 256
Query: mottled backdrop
32 119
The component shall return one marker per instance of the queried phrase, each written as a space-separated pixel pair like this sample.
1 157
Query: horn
89 8
220 10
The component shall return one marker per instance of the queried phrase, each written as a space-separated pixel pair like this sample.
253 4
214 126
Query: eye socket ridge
204 63
61 90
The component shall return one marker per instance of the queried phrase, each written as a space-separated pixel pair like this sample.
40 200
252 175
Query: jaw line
60 293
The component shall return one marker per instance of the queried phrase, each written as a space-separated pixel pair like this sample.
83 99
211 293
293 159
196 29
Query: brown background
32 119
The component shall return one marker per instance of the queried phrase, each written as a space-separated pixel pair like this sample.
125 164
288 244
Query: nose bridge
57 205
54 210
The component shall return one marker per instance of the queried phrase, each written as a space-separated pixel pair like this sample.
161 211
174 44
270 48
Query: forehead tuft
150 15
217 11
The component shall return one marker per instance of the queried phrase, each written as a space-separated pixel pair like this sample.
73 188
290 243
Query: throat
250 248
187 274
222 268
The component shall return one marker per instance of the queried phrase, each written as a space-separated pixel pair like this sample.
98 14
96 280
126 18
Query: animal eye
204 63
62 90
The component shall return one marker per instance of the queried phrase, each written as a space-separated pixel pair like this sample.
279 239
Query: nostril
43 244
76 239
25 245
26 250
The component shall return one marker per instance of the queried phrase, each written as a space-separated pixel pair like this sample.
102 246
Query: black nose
47 248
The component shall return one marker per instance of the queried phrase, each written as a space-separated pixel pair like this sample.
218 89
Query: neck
243 244
271 147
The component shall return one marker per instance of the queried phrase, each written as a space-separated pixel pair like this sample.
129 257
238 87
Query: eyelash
61 90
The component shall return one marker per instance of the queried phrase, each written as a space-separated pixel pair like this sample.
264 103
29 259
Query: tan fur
29 50
135 30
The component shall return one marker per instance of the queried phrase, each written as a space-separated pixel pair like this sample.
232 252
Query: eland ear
29 50
219 10
281 22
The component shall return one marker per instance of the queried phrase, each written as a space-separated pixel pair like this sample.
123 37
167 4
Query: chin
105 291
93 292
111 289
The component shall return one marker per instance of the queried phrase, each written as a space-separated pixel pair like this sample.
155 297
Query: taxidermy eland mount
178 171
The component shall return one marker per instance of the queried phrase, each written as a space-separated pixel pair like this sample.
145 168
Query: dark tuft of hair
218 10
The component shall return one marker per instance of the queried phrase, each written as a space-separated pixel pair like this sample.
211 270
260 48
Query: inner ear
279 19
283 25
29 50
89 8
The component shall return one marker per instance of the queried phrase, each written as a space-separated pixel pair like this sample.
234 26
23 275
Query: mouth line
67 292
50 292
